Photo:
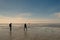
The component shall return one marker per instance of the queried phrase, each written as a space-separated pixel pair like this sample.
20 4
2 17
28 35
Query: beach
32 33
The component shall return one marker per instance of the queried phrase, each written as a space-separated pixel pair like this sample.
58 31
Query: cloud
15 19
4 19
56 15
24 15
43 20
22 18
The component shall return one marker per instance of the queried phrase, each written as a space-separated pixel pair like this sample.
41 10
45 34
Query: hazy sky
42 11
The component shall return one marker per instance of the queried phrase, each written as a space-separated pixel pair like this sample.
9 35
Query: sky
30 11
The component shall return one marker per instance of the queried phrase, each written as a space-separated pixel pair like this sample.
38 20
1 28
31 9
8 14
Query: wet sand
33 33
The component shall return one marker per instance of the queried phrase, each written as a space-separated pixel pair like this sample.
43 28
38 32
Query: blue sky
34 9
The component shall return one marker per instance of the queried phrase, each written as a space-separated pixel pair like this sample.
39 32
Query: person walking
25 27
10 25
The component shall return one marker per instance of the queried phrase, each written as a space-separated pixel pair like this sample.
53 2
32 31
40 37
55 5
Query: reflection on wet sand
10 35
37 33
25 35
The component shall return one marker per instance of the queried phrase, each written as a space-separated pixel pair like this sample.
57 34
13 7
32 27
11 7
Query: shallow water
33 33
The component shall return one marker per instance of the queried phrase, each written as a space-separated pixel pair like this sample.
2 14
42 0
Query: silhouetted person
10 25
25 27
